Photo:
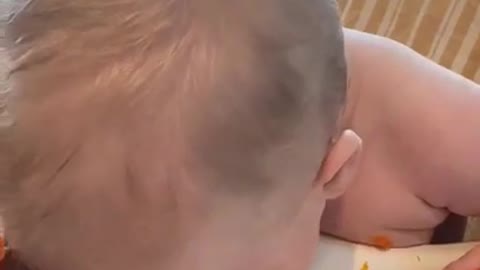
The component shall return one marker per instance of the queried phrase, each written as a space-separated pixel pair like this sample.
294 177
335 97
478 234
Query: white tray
334 254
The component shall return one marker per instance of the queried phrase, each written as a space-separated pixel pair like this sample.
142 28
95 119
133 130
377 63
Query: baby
173 134
183 135
420 126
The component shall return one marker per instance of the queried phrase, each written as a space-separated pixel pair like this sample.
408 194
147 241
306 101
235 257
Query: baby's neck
349 113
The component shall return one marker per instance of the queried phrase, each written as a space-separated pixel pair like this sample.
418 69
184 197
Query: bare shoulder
434 113
369 54
399 75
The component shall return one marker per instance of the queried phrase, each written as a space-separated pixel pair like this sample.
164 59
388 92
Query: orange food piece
364 266
382 242
2 248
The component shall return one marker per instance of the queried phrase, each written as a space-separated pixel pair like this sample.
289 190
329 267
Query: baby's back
414 170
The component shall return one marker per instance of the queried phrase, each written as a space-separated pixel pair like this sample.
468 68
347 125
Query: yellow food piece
364 266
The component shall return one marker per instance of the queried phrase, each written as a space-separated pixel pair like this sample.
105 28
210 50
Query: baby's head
173 134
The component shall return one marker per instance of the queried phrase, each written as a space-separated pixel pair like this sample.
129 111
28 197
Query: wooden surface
473 230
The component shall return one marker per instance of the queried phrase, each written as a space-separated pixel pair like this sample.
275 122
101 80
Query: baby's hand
470 261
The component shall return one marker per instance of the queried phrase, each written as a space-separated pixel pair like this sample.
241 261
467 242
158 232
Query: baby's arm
439 112
470 261
455 152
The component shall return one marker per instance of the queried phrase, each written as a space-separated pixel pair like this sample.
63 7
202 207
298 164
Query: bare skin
420 127
470 261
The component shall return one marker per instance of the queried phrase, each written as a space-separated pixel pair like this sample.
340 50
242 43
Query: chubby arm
471 260
434 117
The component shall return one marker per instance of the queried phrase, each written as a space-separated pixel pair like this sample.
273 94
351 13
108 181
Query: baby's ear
340 164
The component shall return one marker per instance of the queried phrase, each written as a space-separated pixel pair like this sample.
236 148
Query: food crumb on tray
364 266
382 242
